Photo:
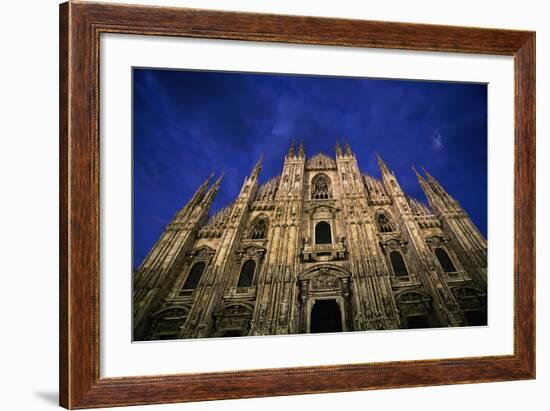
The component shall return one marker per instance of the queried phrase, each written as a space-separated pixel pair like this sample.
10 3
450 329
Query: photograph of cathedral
252 218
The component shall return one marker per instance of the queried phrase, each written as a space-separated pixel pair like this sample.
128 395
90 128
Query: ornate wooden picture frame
81 25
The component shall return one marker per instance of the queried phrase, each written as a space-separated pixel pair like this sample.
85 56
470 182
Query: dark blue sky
188 124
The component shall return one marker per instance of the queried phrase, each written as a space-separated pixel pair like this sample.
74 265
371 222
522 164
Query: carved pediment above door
251 251
321 208
437 239
325 281
392 241
203 252
324 270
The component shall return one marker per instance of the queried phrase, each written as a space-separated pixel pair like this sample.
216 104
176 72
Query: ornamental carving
173 313
235 316
252 251
283 314
202 253
437 240
326 209
324 281
392 241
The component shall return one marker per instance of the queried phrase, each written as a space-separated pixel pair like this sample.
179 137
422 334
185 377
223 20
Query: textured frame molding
80 27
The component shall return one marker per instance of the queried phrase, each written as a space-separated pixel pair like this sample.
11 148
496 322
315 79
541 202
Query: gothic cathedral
322 247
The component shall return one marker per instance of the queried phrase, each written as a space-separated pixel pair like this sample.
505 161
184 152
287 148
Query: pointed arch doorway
326 317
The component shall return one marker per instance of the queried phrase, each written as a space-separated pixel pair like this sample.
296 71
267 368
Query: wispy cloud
437 140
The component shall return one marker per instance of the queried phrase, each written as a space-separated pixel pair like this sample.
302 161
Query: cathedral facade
322 247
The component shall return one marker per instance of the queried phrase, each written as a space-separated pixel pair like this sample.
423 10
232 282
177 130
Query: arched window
399 267
384 224
322 233
247 274
194 276
445 260
259 229
320 187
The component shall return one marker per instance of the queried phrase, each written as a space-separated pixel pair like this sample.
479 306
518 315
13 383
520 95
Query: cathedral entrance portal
326 317
324 299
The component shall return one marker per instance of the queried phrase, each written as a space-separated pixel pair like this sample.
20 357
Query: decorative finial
347 149
257 167
291 150
382 165
301 150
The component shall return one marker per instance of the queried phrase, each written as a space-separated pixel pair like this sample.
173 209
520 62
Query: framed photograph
259 205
